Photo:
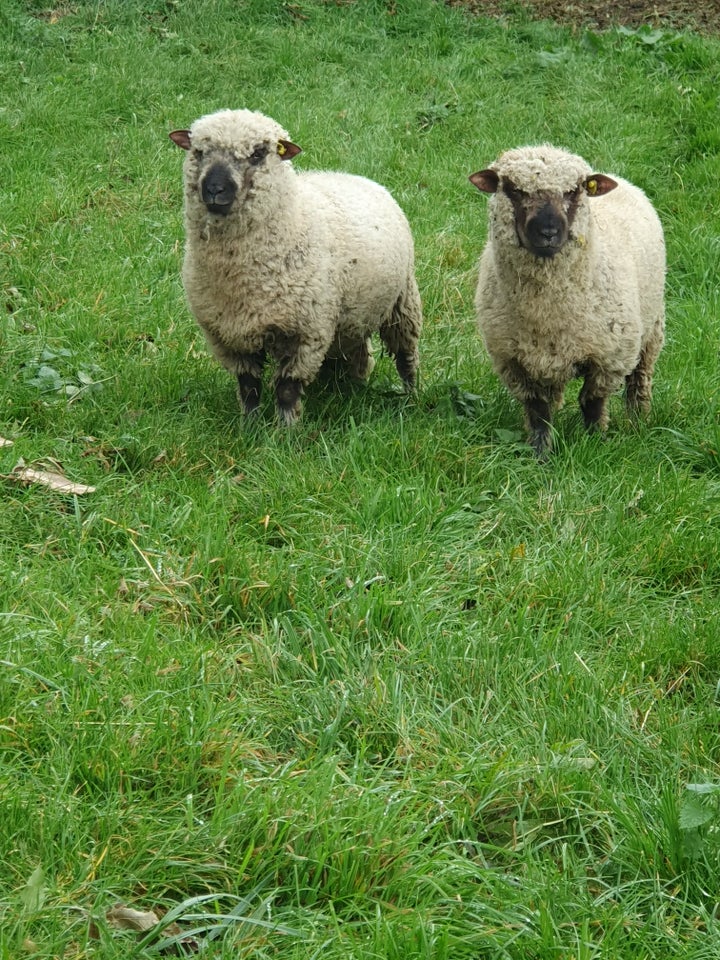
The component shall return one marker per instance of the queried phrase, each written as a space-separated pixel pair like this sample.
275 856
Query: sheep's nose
546 232
218 189
549 230
546 223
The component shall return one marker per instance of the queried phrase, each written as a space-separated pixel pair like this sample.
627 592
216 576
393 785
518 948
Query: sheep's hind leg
406 364
638 386
360 360
249 380
401 334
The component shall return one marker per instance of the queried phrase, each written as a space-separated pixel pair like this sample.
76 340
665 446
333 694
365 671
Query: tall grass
381 686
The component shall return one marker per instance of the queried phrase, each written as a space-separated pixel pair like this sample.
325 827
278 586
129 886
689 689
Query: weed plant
380 686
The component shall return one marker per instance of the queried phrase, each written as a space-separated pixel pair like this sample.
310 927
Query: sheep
570 285
294 266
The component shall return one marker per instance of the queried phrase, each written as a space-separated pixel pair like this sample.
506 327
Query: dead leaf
125 918
47 478
121 917
172 667
5 443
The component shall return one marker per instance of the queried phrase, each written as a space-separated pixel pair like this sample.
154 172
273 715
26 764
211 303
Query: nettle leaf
703 788
508 436
466 404
694 813
47 378
88 378
551 58
651 37
435 113
44 377
693 844
33 893
48 354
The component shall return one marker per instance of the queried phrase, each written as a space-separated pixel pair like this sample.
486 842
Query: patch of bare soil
700 15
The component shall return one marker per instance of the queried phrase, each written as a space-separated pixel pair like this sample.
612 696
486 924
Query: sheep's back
369 240
629 230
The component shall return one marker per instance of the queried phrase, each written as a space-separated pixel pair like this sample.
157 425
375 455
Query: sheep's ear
287 150
598 184
181 138
485 180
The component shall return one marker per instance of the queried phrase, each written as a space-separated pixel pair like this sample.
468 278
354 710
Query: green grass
383 686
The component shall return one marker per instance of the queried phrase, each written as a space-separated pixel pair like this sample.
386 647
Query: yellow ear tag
592 186
281 149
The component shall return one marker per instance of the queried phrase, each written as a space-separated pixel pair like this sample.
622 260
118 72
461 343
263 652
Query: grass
383 686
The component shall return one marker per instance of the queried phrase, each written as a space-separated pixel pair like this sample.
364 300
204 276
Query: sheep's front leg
538 400
594 410
288 395
538 420
598 385
248 371
294 373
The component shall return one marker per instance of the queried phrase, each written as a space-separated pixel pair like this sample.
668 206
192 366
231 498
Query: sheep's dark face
228 162
225 179
542 220
540 196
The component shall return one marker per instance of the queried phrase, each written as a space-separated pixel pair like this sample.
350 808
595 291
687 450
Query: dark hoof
541 443
406 366
287 393
249 388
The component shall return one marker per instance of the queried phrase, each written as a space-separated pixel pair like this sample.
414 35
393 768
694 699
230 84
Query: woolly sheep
570 285
295 266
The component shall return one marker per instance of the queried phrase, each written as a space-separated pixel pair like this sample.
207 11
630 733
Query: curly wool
305 265
595 309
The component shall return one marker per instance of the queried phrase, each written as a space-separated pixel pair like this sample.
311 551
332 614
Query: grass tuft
382 686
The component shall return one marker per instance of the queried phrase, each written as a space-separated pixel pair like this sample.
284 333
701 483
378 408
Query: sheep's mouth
545 251
221 209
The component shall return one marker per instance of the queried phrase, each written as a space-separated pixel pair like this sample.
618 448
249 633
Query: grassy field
380 686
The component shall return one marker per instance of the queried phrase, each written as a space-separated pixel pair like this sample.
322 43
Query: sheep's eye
513 192
198 154
258 155
572 195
